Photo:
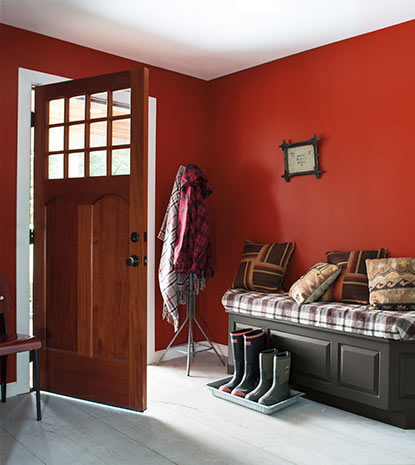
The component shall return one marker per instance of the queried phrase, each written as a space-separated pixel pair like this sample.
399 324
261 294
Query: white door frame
27 79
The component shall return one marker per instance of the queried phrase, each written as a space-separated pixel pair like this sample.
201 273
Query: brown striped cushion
352 284
263 266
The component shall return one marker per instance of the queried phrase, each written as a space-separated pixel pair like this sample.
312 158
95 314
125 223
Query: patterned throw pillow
263 266
313 283
352 284
392 283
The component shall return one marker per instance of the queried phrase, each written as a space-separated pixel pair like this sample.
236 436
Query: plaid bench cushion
350 318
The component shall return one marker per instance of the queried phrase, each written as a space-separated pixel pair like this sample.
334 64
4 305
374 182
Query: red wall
358 96
181 126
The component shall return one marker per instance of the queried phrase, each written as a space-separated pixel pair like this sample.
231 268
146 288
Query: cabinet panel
407 376
310 356
359 368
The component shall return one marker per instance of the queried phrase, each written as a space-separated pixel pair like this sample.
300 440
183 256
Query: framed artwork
301 158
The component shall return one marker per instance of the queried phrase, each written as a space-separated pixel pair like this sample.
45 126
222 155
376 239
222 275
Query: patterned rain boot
266 358
254 343
280 389
237 339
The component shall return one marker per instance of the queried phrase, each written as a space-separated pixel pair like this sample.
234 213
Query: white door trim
26 79
151 230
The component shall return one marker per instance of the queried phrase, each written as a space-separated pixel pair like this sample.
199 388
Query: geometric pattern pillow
263 266
312 284
392 283
352 284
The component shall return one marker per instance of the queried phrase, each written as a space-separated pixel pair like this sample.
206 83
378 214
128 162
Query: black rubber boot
254 343
237 340
266 361
280 389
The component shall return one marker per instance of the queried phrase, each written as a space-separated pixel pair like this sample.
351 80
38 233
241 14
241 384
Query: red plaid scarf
192 253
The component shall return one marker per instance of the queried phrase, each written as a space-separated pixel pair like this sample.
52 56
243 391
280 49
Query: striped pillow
263 266
352 284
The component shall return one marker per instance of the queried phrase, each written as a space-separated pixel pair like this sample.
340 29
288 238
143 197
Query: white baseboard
181 351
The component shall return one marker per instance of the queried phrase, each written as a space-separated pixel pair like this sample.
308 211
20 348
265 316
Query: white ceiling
205 39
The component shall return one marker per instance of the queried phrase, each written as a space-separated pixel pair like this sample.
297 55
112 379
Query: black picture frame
299 158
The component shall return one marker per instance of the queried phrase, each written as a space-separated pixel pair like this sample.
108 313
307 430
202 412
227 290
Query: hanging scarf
168 234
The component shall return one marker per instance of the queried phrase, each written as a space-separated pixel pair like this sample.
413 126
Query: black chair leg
3 360
34 355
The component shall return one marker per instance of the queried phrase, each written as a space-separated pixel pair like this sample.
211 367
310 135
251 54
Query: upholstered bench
345 355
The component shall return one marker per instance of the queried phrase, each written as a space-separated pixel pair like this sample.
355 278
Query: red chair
15 343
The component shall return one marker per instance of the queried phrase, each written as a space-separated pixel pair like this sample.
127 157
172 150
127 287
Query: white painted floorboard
186 425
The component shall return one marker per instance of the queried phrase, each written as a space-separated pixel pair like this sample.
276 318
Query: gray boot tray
267 409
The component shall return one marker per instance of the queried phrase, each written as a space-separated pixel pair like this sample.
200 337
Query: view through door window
89 135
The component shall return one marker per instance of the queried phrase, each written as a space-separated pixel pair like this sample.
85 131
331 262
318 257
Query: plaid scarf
168 234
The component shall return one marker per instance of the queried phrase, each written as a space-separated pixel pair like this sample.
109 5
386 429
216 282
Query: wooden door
90 217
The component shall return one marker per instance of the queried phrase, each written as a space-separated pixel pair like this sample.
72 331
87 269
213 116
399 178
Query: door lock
135 237
133 260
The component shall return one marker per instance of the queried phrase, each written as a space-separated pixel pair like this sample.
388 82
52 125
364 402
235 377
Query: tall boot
280 389
254 343
237 340
266 360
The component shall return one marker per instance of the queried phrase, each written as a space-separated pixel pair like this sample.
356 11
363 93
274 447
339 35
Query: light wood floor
186 425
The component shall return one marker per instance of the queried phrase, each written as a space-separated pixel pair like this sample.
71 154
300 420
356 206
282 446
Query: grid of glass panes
89 135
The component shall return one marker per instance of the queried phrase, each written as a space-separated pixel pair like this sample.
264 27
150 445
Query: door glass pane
56 139
121 101
98 105
55 166
76 165
98 163
77 108
98 134
121 131
76 136
56 111
120 162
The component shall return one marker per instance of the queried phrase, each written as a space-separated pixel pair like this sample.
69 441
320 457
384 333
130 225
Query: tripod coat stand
190 317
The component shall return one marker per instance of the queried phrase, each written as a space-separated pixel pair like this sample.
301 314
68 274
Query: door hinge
145 261
32 119
31 236
145 237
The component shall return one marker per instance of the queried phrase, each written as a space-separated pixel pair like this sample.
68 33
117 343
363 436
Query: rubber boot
237 340
254 343
280 389
266 361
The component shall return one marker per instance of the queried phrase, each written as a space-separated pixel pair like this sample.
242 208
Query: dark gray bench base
373 377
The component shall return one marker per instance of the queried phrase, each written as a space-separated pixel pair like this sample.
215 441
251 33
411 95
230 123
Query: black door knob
132 261
135 237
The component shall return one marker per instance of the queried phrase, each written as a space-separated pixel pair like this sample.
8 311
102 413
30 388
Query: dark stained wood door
90 196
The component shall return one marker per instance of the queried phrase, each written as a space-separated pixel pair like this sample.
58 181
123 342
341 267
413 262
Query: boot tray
266 409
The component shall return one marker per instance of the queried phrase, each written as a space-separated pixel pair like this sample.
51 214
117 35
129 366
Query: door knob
132 261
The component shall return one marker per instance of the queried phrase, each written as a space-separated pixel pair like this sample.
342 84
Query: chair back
5 297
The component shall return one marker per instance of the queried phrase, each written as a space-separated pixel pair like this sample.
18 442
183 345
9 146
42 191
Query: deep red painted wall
358 97
181 127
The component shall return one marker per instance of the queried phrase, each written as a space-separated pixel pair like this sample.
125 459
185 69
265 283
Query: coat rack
190 317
